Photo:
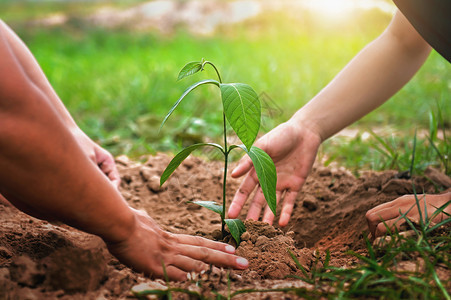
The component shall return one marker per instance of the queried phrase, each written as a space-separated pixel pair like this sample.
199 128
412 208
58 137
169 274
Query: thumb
243 167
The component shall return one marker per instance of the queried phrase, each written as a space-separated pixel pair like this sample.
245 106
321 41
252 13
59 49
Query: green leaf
266 174
236 227
211 205
180 157
190 69
186 92
243 110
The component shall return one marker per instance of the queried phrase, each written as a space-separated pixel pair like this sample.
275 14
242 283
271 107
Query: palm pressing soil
42 260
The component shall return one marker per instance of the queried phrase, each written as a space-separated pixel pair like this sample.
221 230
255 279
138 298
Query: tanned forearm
41 164
372 77
34 72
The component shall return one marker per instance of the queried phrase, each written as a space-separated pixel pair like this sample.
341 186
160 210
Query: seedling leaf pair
242 110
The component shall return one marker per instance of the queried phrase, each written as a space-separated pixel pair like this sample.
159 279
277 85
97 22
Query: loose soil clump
43 260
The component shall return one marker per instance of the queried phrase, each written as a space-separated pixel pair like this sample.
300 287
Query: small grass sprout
242 111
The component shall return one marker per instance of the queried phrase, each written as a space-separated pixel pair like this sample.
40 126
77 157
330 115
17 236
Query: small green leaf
186 92
266 174
180 157
211 205
243 110
236 227
190 69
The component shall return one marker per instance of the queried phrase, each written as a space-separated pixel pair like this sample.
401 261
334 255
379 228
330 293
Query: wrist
301 120
120 229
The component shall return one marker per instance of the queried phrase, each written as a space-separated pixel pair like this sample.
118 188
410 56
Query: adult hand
101 157
390 212
293 148
148 248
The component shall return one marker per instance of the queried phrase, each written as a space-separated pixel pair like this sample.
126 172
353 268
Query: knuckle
204 254
243 190
199 266
257 205
373 217
369 216
381 227
198 241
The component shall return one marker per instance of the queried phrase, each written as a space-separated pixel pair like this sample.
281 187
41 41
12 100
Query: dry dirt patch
43 260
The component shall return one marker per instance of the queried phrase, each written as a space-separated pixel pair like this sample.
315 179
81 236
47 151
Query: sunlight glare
338 10
335 9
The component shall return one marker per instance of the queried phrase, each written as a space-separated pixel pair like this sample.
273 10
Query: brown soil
42 260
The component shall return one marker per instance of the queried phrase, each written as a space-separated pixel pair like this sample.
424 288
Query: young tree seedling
242 110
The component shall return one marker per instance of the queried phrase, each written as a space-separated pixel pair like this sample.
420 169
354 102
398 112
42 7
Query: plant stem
226 158
214 67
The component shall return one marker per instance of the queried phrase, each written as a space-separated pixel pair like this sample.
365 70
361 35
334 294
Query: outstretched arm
37 78
45 171
373 76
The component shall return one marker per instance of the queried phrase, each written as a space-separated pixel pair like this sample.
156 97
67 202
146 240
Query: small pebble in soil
154 184
245 236
146 173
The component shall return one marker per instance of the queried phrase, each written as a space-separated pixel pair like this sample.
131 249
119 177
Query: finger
173 272
246 188
383 227
287 209
268 215
256 206
243 167
380 207
188 264
193 258
106 163
157 271
202 242
374 217
398 202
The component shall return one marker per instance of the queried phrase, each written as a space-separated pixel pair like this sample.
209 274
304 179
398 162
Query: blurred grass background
119 83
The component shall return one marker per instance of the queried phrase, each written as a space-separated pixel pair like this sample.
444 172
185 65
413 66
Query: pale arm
371 78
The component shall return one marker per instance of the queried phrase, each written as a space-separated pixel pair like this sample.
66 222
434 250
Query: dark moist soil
42 260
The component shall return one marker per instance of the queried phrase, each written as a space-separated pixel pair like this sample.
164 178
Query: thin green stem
214 67
226 158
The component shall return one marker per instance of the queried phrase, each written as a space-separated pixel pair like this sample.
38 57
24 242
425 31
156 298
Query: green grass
380 274
119 84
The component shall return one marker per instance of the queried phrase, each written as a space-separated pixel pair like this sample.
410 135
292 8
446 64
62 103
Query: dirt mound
41 260
268 251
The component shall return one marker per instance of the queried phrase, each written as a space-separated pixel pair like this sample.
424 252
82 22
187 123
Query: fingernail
230 249
242 262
